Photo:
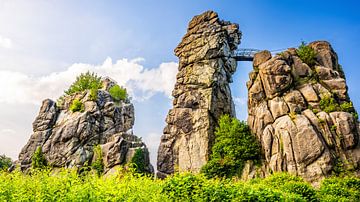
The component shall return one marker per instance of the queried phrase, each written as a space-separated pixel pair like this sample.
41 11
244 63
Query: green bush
306 54
234 145
98 164
5 162
329 104
38 160
76 106
93 94
138 161
340 189
84 82
118 93
68 185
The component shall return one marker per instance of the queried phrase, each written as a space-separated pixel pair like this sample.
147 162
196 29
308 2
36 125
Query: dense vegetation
138 161
67 185
306 54
5 162
234 145
38 160
77 106
85 81
118 93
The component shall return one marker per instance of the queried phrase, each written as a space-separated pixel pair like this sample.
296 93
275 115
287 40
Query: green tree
234 145
38 160
306 54
98 163
118 93
5 162
85 81
138 161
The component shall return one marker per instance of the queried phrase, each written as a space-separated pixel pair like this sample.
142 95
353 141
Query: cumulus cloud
5 42
141 82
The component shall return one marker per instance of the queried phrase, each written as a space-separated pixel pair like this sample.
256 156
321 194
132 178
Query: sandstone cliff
302 113
68 138
201 93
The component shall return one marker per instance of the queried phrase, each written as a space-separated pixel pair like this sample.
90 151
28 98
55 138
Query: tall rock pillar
201 95
300 110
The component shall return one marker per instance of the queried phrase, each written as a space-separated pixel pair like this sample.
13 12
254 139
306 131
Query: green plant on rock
98 164
328 104
234 145
118 93
76 106
306 54
5 162
86 81
38 160
93 96
138 161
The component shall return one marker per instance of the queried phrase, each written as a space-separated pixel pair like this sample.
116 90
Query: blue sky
43 44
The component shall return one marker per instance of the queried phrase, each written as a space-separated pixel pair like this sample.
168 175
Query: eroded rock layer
302 113
201 93
68 138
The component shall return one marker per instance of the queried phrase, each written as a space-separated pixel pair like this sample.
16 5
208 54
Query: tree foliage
306 54
38 160
98 164
234 145
138 161
85 81
118 93
5 162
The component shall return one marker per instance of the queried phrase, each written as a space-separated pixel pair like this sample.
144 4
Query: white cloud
5 42
141 82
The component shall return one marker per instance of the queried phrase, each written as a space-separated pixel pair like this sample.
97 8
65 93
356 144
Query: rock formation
201 93
67 138
302 113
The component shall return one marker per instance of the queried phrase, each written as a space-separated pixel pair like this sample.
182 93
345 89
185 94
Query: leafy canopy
138 161
118 93
98 163
38 160
234 145
306 54
85 81
5 162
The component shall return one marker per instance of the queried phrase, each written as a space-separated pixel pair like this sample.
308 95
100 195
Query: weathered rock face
201 93
287 112
68 138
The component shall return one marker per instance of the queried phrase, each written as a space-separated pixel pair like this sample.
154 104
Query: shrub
347 107
306 54
340 189
5 162
234 145
38 160
329 104
138 161
98 164
93 94
118 93
84 82
76 106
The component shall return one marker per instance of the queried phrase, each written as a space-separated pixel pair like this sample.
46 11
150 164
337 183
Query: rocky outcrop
201 93
67 138
302 113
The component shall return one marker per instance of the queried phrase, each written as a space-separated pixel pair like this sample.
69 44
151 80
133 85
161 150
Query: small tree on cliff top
85 81
234 145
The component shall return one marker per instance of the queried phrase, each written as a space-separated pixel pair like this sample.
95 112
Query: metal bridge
245 54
